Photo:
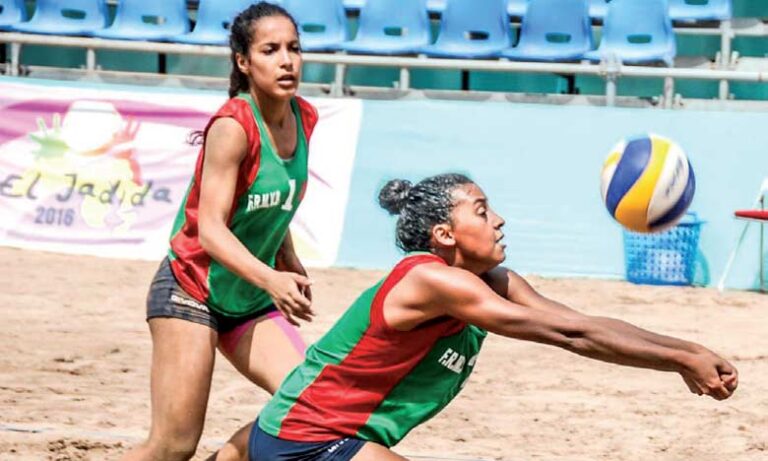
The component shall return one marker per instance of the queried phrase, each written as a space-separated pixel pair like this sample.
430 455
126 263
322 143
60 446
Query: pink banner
98 176
102 171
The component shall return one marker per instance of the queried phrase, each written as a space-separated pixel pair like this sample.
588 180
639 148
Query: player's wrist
263 277
685 361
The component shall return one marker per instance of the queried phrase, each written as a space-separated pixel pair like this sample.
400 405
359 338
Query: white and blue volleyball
647 183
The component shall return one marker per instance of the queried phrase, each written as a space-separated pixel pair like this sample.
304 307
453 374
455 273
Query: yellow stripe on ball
633 208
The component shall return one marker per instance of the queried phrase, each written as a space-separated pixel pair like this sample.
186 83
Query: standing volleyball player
405 347
219 286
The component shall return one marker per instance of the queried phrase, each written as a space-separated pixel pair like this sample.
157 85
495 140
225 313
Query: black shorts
167 299
265 447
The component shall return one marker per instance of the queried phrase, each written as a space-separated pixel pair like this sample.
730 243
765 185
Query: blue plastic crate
664 258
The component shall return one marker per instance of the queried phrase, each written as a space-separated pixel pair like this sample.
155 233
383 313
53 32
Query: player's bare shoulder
441 283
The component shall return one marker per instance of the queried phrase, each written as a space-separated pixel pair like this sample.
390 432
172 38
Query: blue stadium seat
12 12
353 4
322 23
700 10
472 29
148 20
382 32
433 6
436 6
544 36
213 20
65 17
517 8
637 31
598 8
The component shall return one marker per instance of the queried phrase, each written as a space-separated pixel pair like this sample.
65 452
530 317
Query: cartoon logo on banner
92 175
85 167
103 172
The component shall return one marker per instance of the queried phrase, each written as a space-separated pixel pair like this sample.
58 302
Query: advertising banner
103 172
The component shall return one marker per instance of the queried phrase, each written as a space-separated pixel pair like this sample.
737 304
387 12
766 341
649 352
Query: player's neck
273 110
456 259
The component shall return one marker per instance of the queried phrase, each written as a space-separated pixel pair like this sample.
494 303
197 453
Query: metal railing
723 69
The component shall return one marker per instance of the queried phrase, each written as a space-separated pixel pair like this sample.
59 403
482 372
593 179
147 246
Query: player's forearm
612 341
221 245
554 307
287 259
286 250
661 340
594 337
287 245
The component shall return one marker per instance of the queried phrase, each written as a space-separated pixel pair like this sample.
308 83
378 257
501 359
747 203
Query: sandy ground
75 351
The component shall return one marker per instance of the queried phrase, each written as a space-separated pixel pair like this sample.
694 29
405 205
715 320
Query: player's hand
288 261
709 374
286 290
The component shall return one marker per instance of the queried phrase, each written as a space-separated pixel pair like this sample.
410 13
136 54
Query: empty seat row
679 10
552 30
635 31
515 8
134 19
682 10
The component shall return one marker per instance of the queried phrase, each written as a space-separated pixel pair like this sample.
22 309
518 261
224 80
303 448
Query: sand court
75 354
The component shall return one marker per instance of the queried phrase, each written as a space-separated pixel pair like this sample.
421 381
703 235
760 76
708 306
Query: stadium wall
539 164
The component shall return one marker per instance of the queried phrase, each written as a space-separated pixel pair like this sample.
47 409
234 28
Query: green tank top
366 380
269 191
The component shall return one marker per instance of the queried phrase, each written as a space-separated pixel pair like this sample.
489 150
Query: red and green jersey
267 193
367 380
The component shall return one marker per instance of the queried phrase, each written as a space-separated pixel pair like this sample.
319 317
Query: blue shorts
264 447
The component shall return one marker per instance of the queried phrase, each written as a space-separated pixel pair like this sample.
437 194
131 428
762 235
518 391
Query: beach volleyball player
219 286
406 346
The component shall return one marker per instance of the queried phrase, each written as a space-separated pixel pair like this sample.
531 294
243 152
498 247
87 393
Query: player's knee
174 448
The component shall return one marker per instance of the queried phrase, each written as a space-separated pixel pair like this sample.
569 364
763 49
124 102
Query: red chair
757 214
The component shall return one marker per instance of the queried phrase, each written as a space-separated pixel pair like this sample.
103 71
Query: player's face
476 230
273 64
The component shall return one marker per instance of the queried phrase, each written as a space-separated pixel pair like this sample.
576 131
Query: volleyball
647 183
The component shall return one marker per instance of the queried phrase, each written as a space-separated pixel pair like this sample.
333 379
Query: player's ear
442 236
242 63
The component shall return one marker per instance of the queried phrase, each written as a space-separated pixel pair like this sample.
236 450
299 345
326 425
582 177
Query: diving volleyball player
407 345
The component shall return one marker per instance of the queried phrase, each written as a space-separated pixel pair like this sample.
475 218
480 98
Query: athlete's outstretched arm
463 295
515 288
511 286
225 147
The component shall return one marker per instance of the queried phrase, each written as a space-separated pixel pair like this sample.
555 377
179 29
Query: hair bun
392 196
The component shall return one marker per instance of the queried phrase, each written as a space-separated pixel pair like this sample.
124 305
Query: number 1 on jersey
288 205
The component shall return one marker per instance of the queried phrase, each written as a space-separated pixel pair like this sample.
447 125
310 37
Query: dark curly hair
420 206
